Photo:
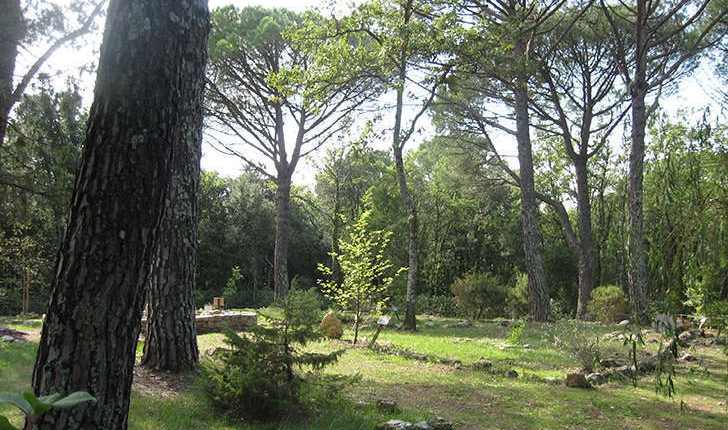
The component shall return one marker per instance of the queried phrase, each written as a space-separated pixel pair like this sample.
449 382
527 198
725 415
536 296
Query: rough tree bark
171 335
150 75
283 235
637 254
537 288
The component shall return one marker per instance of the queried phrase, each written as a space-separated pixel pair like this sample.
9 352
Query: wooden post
381 323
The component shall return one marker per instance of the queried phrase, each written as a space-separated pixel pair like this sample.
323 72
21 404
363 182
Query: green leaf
73 399
17 400
5 424
38 406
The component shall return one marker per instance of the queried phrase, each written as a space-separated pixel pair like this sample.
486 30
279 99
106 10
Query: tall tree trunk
12 29
537 288
410 322
283 235
586 236
171 337
150 75
637 255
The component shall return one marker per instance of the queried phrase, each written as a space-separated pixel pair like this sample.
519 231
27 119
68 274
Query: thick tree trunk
637 255
537 288
586 237
150 75
171 337
283 236
12 29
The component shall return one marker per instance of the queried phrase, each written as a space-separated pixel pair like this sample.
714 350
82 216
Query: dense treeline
466 194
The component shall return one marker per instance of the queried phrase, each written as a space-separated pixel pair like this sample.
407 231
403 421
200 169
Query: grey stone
395 425
664 324
624 371
8 339
422 425
387 405
482 365
688 357
595 378
648 364
430 324
440 424
511 374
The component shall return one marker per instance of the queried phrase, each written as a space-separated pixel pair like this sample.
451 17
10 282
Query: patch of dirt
32 335
160 384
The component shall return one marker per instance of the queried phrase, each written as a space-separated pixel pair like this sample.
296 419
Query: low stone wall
238 321
211 322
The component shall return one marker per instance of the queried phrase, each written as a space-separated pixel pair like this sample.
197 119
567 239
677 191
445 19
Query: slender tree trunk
12 29
283 234
150 75
537 288
410 322
586 237
171 337
637 255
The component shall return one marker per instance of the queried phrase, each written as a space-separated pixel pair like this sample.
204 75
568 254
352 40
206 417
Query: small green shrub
255 377
481 294
608 303
575 340
444 306
517 302
516 334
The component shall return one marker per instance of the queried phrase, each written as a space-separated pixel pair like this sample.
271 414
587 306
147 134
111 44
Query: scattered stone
395 425
8 339
440 424
430 324
664 324
577 380
606 362
482 365
511 374
688 357
596 378
624 323
624 371
648 364
503 323
415 356
550 380
718 341
386 405
450 362
686 336
331 326
460 324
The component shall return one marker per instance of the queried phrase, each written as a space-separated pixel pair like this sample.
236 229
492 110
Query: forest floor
486 375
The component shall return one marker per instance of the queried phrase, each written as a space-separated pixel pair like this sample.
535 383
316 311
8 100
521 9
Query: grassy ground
469 396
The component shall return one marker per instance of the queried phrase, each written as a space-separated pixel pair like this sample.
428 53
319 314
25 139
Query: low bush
444 306
481 294
608 304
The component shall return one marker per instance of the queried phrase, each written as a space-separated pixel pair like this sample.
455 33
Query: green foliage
517 302
443 306
515 335
367 273
33 407
480 294
578 342
255 377
608 303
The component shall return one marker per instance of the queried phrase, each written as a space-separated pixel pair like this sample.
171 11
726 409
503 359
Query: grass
470 397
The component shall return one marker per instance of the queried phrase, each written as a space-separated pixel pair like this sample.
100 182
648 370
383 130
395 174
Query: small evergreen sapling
256 376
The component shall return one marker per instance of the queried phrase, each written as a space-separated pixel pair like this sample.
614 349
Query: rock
8 339
440 424
624 371
331 326
624 323
648 364
688 357
608 363
395 425
551 380
482 365
511 374
460 324
577 380
419 357
422 425
386 405
596 378
664 324
686 336
430 324
450 362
